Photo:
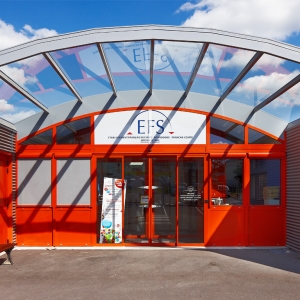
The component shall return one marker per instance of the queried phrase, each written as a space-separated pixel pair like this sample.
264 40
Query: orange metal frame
223 225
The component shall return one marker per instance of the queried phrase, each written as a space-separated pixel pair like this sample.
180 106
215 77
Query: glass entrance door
163 200
150 200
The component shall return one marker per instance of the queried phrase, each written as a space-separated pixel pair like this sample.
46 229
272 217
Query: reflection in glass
265 181
106 167
226 181
129 64
286 106
136 200
173 64
84 68
220 66
164 200
267 76
76 132
191 202
43 138
38 78
225 132
256 137
13 106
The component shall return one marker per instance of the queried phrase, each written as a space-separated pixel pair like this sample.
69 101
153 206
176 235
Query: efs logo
150 122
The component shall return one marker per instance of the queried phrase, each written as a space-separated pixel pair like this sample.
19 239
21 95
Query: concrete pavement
151 273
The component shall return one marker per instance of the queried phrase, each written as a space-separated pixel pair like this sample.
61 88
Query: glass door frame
150 229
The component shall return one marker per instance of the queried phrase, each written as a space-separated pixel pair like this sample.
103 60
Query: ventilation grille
293 189
7 140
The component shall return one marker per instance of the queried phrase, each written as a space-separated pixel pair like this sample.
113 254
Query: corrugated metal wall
8 144
293 188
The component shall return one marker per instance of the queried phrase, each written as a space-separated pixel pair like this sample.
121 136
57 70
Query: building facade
149 135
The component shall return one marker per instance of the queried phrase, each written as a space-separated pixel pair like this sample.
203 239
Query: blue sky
276 19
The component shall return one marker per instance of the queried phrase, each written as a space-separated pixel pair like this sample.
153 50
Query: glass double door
162 199
150 200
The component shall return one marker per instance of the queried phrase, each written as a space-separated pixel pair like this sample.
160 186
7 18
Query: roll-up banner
111 215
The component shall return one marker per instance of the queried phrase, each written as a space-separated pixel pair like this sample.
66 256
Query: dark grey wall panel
293 188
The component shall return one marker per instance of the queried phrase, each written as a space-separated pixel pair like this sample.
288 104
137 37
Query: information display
150 127
111 216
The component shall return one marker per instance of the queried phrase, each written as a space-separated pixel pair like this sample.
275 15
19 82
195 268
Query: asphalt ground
151 273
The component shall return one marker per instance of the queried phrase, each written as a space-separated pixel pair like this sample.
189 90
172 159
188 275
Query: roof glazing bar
105 63
65 79
196 68
151 66
24 93
277 94
237 80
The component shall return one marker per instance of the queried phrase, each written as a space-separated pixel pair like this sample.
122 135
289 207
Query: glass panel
225 132
136 201
265 181
129 64
13 106
266 76
43 138
256 137
191 204
76 132
84 68
73 181
287 106
219 68
106 167
226 181
31 189
173 64
164 200
39 79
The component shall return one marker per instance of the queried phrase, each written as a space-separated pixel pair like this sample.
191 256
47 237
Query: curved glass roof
232 68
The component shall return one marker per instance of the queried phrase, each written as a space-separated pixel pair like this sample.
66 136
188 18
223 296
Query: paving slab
181 273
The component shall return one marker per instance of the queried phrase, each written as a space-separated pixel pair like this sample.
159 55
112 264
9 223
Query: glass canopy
42 81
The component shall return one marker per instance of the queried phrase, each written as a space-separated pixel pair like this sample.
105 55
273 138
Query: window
265 182
226 181
76 132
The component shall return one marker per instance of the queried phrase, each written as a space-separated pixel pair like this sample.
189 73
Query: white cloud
18 75
16 117
275 19
265 84
10 37
4 106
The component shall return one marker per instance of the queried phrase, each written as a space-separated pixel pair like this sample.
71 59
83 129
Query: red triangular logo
171 132
129 133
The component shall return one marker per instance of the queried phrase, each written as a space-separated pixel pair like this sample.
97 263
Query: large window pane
265 181
31 189
226 181
190 208
73 181
43 138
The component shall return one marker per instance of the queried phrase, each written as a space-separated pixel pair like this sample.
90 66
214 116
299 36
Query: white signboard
111 216
150 127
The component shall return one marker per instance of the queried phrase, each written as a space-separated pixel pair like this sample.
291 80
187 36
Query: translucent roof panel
173 64
267 76
84 68
287 106
13 106
225 132
220 66
39 79
129 64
